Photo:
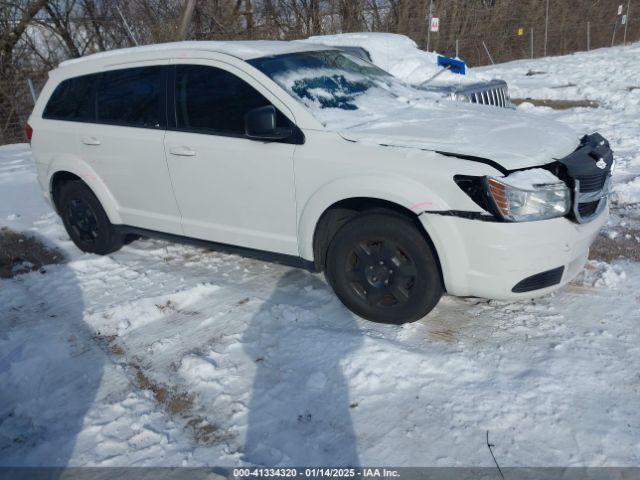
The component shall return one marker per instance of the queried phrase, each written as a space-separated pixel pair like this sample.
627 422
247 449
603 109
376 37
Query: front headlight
527 202
461 97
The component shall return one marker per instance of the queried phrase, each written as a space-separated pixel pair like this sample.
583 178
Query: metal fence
517 42
16 103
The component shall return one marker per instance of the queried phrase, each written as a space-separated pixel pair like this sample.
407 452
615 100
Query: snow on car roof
243 49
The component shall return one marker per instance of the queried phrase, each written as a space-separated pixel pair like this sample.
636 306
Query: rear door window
72 100
134 97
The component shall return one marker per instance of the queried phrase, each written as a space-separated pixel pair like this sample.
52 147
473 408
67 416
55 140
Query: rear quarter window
72 100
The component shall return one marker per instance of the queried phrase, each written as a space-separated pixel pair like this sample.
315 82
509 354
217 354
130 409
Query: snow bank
602 275
397 54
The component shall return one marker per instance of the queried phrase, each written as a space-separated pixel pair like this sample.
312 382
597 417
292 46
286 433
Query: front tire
382 268
86 221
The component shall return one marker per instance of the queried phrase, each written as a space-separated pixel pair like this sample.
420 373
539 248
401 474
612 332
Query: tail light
28 132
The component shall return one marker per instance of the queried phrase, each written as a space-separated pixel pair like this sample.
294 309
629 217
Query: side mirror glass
260 123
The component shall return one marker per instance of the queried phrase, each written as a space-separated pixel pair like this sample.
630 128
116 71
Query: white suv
316 158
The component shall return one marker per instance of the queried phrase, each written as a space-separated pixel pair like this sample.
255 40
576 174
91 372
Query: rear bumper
488 259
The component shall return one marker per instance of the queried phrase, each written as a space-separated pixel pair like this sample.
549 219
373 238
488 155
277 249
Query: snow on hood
368 105
510 138
396 54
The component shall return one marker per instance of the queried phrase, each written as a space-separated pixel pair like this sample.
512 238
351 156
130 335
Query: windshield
340 89
330 79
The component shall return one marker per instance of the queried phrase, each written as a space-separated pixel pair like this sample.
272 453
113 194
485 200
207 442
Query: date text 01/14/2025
316 472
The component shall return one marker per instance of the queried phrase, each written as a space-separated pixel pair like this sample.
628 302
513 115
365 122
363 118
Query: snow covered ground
163 354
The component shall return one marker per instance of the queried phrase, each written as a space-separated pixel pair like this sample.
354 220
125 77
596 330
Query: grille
592 183
539 280
586 209
592 196
497 97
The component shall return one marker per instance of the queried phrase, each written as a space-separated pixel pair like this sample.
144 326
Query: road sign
624 20
435 24
520 31
620 9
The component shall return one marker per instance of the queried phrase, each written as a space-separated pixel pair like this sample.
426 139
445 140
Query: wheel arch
397 193
58 179
341 211
62 174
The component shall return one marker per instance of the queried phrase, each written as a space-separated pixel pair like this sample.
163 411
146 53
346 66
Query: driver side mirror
260 123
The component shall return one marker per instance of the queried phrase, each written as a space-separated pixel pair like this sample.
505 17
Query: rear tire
86 221
382 268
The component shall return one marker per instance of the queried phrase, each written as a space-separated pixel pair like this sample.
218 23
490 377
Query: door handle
90 141
182 152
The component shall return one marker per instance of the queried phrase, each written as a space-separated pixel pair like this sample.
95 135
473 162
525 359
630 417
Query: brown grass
204 432
175 402
607 249
170 306
20 253
179 403
111 342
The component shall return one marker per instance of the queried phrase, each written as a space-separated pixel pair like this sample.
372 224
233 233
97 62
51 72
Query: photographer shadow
299 412
50 369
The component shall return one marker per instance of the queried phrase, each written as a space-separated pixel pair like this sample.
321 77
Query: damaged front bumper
510 260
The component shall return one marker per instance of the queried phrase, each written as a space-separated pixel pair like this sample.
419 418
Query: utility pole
588 36
626 23
126 26
488 54
429 24
187 13
248 15
546 29
531 42
32 90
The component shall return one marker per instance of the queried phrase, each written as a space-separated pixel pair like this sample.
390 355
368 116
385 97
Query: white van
315 158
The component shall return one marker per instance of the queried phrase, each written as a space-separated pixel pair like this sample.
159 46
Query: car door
230 189
124 145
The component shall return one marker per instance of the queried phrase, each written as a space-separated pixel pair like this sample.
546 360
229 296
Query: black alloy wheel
82 220
381 272
86 221
382 268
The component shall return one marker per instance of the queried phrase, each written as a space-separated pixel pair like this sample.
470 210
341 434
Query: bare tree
15 17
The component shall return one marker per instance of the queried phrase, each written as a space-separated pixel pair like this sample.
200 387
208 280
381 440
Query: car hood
508 137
